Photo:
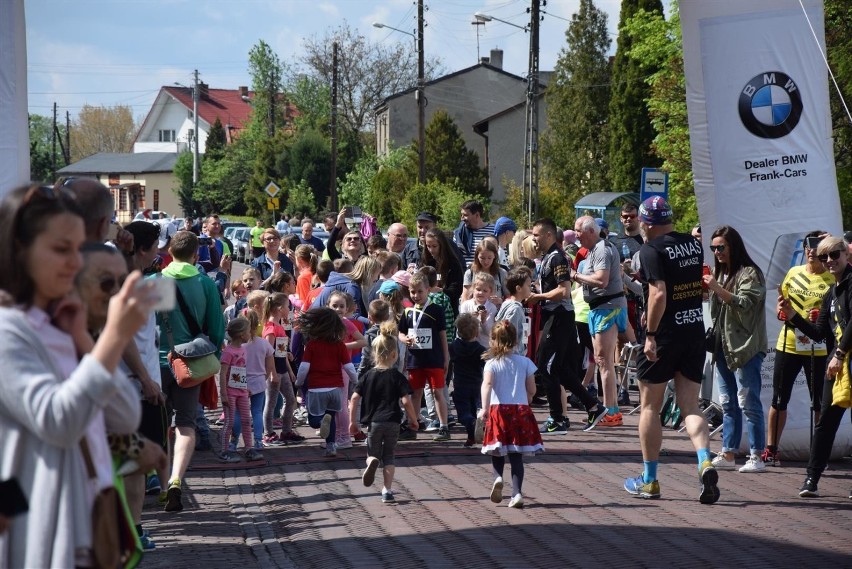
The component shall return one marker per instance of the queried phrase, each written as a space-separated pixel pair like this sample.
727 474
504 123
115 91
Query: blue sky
109 52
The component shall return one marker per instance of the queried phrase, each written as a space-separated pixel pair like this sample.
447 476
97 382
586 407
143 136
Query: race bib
527 327
422 338
281 345
805 344
237 378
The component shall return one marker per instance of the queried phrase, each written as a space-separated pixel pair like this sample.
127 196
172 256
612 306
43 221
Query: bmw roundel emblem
770 105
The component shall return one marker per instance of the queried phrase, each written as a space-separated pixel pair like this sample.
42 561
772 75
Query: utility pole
333 188
271 113
67 138
531 161
421 99
53 152
195 133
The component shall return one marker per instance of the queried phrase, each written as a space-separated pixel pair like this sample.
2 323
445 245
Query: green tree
265 169
186 198
267 77
41 147
312 98
216 141
440 198
309 159
838 40
575 148
657 46
300 200
630 129
449 161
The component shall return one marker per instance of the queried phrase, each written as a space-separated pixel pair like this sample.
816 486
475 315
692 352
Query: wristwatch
649 333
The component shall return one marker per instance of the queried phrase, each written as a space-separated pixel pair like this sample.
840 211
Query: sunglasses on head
110 285
719 248
833 254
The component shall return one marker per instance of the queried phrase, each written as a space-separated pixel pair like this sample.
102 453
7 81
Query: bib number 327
422 338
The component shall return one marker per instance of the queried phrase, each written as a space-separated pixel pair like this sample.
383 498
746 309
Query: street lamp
421 100
531 162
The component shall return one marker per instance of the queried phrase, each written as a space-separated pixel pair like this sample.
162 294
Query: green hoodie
743 322
202 298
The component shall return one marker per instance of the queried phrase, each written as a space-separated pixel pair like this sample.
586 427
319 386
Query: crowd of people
376 340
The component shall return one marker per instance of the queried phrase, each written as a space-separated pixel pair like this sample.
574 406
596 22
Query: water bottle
625 251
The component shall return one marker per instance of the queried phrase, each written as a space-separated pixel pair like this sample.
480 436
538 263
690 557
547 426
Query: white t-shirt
470 306
146 342
510 377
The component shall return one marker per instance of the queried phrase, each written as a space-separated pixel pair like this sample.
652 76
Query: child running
234 389
378 395
510 426
343 304
324 361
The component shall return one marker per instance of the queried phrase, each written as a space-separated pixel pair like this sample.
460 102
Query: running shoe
638 487
497 491
253 454
595 417
173 497
292 437
809 489
370 472
722 463
272 440
325 427
753 464
228 457
770 458
443 434
616 420
146 541
709 483
517 501
388 497
406 434
553 427
433 426
360 436
152 485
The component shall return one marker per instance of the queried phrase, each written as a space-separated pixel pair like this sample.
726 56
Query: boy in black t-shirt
379 393
423 329
466 355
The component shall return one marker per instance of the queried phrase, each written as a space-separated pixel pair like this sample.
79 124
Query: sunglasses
833 254
719 248
352 239
110 285
628 216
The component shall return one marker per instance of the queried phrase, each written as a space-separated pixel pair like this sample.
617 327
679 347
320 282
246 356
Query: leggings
787 368
824 432
238 408
285 388
517 462
257 401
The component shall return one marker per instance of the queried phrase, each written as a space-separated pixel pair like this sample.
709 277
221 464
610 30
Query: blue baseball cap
503 225
655 211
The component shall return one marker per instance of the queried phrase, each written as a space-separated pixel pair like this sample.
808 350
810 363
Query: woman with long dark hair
737 298
438 254
61 390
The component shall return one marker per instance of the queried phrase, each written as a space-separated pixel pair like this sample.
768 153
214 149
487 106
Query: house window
156 200
167 135
122 199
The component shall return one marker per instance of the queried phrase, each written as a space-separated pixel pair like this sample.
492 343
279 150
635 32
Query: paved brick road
300 510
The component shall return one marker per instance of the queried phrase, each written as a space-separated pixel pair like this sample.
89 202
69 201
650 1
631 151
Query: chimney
496 58
202 90
243 91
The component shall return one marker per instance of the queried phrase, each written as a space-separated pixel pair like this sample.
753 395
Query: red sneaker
612 421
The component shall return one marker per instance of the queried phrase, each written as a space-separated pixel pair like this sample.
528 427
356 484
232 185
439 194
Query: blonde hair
250 271
516 252
828 244
254 322
364 273
504 336
256 298
385 347
273 301
307 254
483 278
528 248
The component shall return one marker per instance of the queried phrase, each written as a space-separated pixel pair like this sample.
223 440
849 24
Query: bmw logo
770 105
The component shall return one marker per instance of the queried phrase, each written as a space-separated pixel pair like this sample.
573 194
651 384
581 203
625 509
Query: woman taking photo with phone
61 390
737 297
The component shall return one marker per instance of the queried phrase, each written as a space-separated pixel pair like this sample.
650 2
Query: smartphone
812 242
165 289
112 232
353 214
13 502
205 241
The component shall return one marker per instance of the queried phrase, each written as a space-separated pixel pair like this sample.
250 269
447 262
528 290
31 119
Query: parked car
241 238
152 215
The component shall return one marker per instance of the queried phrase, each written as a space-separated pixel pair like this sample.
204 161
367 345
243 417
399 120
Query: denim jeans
257 401
739 393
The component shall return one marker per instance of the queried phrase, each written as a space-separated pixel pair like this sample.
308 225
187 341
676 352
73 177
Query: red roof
226 104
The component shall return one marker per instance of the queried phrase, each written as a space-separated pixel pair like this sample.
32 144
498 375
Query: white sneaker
517 501
720 463
497 491
754 464
343 443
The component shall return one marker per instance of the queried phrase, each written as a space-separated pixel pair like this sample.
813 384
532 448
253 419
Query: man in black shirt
671 264
558 356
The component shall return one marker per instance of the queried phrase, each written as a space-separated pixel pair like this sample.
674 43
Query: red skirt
511 428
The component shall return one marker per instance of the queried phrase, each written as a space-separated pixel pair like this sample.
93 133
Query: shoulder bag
192 362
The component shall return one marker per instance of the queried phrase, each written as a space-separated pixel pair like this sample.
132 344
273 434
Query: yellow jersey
805 292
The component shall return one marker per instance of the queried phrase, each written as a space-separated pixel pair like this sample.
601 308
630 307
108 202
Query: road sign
271 189
272 204
655 182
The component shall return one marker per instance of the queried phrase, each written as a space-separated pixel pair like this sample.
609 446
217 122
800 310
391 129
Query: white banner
14 127
760 134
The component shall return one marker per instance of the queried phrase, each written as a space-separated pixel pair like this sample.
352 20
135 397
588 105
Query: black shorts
155 424
684 357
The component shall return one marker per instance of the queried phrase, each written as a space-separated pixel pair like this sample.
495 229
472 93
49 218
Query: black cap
426 216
